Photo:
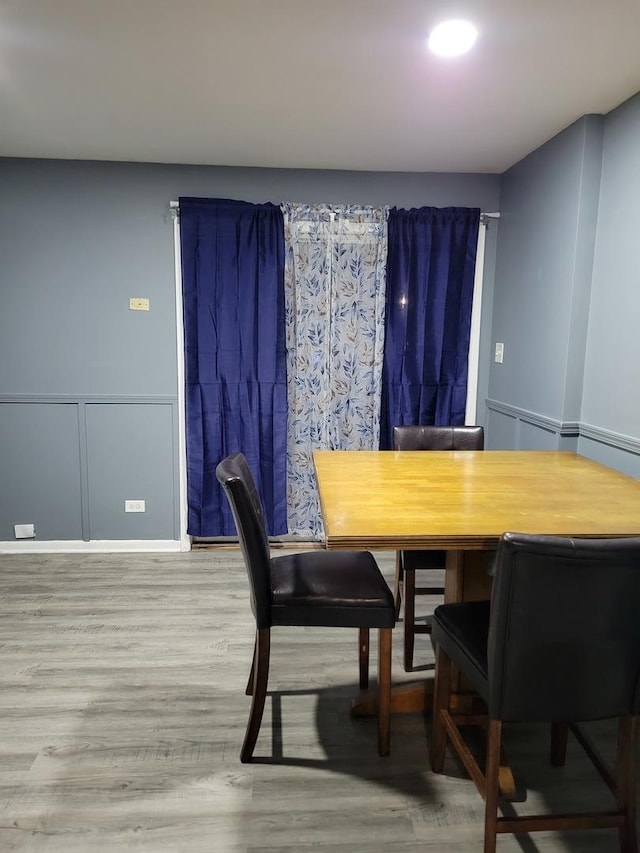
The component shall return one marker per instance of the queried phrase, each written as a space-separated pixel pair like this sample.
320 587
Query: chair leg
559 736
249 688
492 780
259 693
441 691
625 794
398 584
384 691
409 617
363 657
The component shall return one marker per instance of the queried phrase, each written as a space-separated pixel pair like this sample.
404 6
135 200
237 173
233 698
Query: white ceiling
335 84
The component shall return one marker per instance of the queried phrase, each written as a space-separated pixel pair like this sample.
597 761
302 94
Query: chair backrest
236 479
438 438
564 635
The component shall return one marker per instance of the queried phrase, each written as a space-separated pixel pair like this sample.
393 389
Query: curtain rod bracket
485 218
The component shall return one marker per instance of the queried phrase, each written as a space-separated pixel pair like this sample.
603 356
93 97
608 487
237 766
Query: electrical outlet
134 506
24 531
138 303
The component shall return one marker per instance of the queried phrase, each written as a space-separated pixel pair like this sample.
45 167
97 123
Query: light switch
499 353
138 303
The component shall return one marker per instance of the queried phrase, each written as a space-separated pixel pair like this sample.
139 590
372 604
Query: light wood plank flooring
122 711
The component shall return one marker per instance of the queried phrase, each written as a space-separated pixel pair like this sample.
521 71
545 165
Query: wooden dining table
463 501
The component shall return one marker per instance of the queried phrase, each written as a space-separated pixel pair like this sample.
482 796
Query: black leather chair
559 643
324 588
408 562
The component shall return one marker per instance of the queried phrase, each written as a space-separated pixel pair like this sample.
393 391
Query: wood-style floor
122 711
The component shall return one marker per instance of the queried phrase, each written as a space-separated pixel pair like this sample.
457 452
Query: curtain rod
175 205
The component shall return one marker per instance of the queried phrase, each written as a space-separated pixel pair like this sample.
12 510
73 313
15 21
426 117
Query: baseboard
95 546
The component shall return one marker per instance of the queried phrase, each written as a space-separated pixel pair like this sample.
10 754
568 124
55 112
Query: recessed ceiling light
452 38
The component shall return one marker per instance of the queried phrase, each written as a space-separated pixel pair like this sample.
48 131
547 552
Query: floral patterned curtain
335 260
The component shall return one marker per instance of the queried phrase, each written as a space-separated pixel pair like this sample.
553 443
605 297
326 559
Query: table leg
466 577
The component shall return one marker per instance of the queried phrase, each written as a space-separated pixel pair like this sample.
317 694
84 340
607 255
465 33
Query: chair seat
331 589
461 630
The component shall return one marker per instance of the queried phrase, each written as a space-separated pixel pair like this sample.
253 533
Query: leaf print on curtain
335 259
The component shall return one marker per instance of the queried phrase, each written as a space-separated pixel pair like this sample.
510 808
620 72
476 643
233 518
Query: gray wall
566 295
88 389
611 397
541 296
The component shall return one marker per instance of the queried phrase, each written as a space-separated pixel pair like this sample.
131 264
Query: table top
468 499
